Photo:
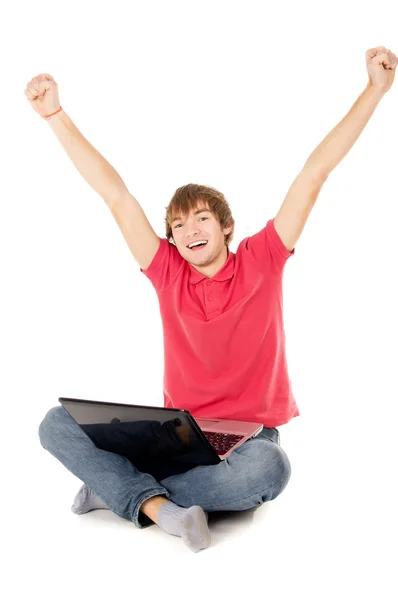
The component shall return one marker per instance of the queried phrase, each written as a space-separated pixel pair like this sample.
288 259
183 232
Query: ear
227 230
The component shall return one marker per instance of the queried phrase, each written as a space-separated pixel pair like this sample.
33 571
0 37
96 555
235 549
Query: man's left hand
381 64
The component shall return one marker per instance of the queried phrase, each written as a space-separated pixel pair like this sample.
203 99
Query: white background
235 95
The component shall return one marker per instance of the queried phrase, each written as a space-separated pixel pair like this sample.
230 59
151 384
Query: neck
214 266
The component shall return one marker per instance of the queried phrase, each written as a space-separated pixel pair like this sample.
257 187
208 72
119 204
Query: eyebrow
197 212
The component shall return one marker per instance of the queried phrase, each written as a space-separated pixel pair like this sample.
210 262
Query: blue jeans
256 472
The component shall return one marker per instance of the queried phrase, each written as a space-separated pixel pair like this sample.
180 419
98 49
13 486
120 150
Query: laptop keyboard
222 442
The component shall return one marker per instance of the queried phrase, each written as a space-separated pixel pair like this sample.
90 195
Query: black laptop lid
158 441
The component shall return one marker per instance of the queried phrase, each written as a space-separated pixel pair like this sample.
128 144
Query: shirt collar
226 271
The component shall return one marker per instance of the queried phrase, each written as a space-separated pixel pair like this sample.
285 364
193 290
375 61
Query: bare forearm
341 139
92 166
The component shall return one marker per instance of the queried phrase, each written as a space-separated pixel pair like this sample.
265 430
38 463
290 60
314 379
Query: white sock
188 523
85 501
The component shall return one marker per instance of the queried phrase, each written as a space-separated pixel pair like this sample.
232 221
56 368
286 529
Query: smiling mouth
198 247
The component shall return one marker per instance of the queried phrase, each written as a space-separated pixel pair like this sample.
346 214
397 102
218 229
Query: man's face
203 226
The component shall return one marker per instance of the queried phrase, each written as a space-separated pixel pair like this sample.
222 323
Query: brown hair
187 198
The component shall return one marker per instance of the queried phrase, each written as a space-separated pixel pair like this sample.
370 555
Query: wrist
52 113
376 90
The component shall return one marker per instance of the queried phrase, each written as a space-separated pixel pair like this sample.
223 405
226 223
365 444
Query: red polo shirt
224 340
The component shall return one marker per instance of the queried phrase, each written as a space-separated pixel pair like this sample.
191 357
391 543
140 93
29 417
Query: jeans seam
220 506
284 479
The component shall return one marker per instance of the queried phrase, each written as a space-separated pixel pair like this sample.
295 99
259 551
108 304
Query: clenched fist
42 94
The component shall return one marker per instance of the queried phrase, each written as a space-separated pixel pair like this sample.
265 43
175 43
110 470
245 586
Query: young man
223 326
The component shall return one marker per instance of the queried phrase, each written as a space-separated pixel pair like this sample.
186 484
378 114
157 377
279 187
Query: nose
192 227
192 232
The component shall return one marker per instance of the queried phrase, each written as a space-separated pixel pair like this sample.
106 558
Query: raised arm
303 193
42 94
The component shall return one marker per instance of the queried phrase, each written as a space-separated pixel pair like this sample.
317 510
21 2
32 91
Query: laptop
157 440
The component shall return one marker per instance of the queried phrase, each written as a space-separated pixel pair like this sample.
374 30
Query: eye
199 220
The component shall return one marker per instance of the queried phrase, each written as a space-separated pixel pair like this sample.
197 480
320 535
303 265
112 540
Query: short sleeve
267 248
165 265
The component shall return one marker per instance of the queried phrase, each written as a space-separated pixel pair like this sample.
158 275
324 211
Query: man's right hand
42 94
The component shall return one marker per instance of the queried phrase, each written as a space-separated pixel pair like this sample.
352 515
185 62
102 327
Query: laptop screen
155 440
